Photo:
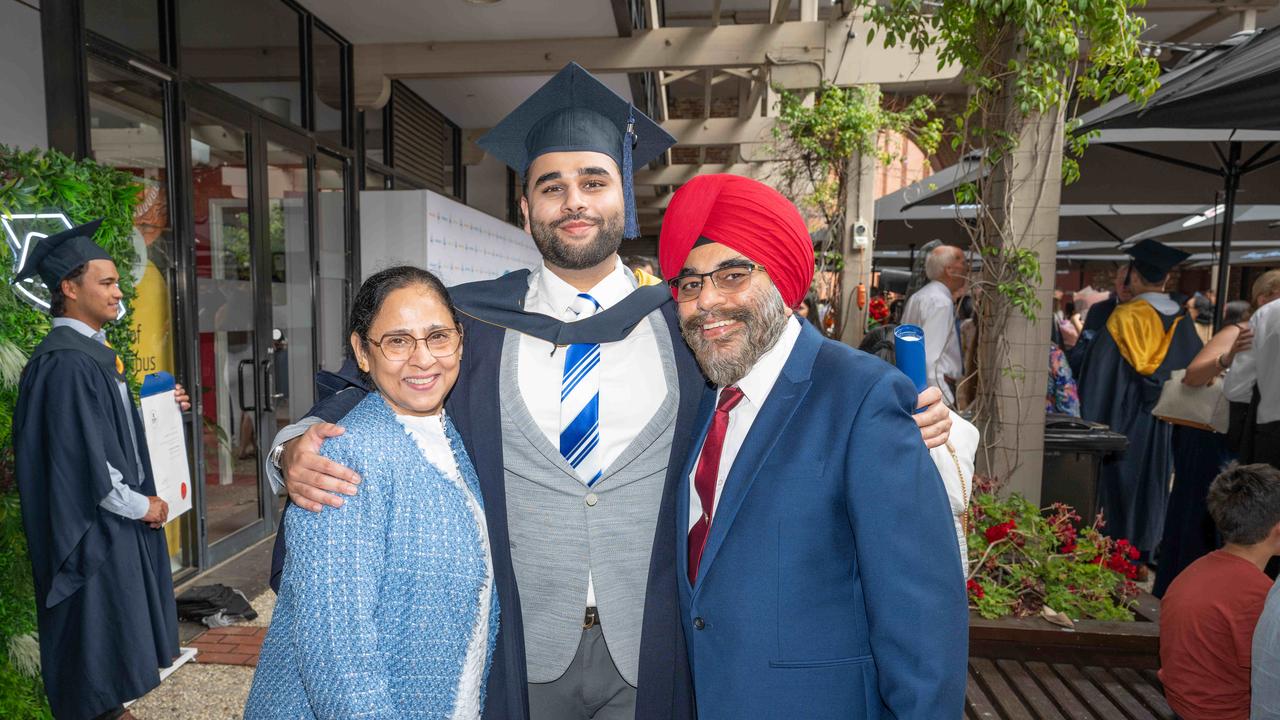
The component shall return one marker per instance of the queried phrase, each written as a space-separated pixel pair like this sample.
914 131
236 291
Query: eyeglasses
728 280
399 347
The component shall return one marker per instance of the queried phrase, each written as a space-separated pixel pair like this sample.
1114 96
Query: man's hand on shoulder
935 421
311 479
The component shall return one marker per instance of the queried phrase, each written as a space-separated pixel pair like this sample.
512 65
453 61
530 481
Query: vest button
592 499
698 623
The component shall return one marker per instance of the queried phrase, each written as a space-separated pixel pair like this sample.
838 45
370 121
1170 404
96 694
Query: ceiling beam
778 11
800 53
1224 6
1199 26
681 174
682 48
720 131
652 18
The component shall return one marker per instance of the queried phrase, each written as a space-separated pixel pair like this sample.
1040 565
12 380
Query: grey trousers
590 689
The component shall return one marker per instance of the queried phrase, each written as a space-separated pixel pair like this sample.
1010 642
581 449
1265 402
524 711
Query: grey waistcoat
560 528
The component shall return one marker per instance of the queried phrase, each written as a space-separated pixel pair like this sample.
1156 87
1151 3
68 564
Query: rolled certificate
908 353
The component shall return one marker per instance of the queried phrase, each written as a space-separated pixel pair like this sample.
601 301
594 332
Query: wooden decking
1028 669
1031 690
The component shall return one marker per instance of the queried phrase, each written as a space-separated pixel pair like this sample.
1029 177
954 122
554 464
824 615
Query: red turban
745 215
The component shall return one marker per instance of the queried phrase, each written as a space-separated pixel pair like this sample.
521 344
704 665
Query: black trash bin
1073 454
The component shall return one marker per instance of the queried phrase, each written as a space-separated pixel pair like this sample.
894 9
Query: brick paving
232 645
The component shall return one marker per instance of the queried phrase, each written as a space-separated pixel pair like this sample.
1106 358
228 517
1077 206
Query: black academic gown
1095 321
665 686
104 593
1133 487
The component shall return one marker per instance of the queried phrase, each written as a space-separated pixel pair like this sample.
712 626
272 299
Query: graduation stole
644 279
1140 335
500 303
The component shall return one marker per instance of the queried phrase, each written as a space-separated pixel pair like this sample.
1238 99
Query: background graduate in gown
1144 340
104 593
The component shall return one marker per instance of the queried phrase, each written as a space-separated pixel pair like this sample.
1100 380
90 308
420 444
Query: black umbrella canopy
1234 85
1214 117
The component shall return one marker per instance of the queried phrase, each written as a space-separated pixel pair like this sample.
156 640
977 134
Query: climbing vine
1031 66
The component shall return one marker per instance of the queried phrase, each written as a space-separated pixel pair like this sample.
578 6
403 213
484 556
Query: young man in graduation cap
576 400
104 594
819 565
1144 340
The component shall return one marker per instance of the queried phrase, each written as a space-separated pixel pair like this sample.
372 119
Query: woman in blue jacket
386 607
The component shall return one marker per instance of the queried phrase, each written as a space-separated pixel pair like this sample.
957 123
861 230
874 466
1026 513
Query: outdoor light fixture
1197 219
21 242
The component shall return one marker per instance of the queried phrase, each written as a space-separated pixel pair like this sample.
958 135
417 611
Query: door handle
240 383
269 382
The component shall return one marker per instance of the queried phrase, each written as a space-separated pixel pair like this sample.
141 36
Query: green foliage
30 182
817 141
1032 49
1022 559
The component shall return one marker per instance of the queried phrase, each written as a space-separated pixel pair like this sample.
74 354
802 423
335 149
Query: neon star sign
21 242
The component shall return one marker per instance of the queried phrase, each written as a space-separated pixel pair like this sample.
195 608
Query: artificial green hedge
31 182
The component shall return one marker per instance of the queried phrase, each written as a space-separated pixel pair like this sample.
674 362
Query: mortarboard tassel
632 229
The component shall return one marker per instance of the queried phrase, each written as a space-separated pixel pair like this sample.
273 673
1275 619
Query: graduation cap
57 255
1153 260
575 112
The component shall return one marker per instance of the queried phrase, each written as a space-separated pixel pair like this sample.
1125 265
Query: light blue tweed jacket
379 597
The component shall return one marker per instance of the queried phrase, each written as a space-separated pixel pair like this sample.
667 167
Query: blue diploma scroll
908 352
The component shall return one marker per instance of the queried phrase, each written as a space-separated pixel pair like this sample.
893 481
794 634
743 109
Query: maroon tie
704 479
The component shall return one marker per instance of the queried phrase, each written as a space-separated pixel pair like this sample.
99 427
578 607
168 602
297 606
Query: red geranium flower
999 531
878 310
975 589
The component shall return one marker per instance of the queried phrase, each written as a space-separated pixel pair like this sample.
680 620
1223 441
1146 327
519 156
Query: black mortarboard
575 112
55 256
1153 260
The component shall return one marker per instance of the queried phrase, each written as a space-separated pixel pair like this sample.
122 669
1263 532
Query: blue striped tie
580 401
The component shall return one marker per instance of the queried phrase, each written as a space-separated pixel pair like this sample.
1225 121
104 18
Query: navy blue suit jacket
664 683
830 585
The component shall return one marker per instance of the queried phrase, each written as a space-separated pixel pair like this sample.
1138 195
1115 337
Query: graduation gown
1124 372
489 308
104 594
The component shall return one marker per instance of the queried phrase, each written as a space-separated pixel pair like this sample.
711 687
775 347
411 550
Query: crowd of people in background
1200 503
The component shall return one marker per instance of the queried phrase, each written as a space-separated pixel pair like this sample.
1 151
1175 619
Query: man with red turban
818 565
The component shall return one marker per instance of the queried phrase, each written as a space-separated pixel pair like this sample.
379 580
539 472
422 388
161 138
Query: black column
66 99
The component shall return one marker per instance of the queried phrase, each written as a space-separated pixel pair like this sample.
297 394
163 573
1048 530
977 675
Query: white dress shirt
122 500
755 388
632 384
1259 365
934 311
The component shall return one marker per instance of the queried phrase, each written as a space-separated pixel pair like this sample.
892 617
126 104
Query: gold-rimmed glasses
399 347
729 280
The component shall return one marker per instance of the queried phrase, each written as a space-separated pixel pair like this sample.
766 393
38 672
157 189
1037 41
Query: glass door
229 350
288 274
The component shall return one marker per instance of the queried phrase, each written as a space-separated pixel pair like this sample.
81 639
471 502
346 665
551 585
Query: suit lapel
784 399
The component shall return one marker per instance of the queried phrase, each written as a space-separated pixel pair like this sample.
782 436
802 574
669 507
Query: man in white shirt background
933 309
1259 367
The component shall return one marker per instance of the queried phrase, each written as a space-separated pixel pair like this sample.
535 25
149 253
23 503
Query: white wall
22 120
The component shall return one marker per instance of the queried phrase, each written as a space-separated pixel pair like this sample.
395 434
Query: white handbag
1204 406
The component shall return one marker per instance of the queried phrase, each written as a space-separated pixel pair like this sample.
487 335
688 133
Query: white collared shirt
755 388
933 310
1259 365
632 384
